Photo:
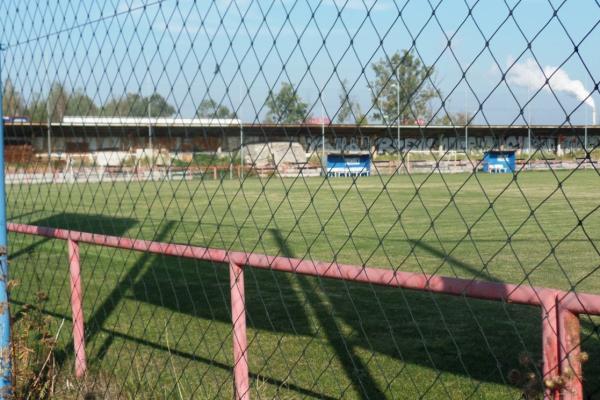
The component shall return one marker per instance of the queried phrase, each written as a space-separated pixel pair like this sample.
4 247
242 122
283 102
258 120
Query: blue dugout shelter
339 164
499 161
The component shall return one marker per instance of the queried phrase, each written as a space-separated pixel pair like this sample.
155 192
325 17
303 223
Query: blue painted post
5 345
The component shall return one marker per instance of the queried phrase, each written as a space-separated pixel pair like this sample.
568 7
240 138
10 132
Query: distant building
129 134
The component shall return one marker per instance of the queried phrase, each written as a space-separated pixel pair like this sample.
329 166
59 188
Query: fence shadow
92 223
201 289
483 340
435 331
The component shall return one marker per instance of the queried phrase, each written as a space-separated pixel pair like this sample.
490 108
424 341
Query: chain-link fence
302 199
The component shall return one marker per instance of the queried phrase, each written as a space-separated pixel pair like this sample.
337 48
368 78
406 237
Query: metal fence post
77 309
5 338
240 343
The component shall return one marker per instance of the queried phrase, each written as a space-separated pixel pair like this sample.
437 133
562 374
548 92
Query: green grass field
158 327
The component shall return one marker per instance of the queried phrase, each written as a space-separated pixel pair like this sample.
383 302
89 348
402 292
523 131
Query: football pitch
157 324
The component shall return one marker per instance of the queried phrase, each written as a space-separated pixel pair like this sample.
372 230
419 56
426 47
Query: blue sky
235 52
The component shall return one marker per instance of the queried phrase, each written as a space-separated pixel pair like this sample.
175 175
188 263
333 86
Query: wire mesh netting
376 151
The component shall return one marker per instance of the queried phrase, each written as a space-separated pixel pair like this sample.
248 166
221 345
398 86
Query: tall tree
37 109
136 105
405 71
12 101
80 104
57 102
349 108
452 119
159 106
286 106
129 105
209 108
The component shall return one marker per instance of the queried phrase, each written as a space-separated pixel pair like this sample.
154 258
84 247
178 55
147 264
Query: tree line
61 102
401 92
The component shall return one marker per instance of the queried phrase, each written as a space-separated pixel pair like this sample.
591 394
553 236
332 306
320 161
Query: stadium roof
146 121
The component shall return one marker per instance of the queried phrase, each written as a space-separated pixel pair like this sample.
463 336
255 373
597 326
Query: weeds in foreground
34 358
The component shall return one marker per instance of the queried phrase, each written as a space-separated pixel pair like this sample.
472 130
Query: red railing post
551 367
77 309
570 355
240 341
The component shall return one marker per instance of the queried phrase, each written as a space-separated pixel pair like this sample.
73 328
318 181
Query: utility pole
529 121
49 121
49 133
150 127
241 150
585 132
241 132
466 123
398 107
323 159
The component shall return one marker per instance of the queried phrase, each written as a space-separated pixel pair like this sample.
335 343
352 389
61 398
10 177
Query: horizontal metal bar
578 303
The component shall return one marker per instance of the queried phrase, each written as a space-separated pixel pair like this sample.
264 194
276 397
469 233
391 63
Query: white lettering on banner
390 145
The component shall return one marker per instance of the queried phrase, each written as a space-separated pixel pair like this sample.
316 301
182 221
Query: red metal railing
562 373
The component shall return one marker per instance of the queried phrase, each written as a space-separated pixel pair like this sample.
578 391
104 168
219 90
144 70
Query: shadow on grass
362 326
92 223
453 262
324 309
101 224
